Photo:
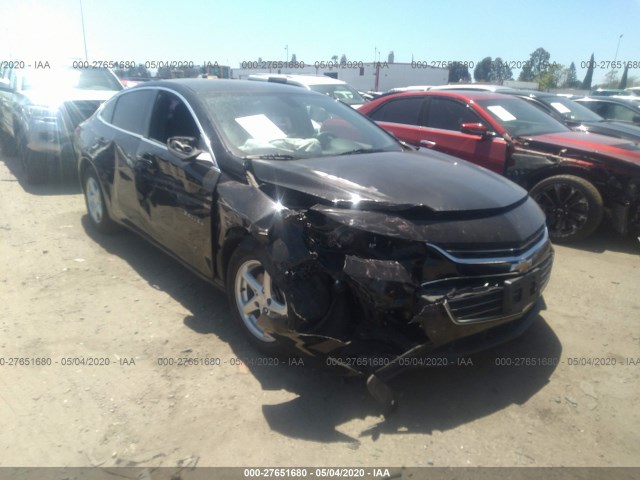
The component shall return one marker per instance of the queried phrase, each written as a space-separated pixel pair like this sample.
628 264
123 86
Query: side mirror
184 148
474 129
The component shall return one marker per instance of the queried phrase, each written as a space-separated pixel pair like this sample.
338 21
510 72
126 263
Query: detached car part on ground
40 109
329 239
576 177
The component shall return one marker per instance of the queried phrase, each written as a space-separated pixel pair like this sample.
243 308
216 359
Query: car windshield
519 118
571 110
82 79
291 125
344 93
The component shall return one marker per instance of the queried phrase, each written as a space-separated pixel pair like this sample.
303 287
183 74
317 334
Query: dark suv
40 108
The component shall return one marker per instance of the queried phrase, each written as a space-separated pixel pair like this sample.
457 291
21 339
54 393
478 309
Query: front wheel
35 165
572 205
96 206
252 292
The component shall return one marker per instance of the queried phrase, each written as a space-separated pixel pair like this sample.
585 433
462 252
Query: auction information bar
242 473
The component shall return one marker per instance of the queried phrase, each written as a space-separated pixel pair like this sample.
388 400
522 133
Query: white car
318 83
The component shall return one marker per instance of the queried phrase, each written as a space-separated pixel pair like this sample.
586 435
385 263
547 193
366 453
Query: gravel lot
69 293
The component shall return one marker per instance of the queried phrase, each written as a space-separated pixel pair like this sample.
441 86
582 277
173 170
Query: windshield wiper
271 156
362 150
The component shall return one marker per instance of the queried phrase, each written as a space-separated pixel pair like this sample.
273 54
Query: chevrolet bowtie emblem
522 266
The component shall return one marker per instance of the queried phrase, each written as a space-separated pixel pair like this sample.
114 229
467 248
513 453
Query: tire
96 205
9 144
249 284
35 167
572 205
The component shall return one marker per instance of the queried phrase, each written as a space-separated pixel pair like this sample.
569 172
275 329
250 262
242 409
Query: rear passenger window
132 111
619 112
107 111
450 115
402 110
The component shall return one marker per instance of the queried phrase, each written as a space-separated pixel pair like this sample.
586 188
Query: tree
588 78
537 65
499 71
572 77
458 72
482 72
334 58
164 72
623 80
293 58
343 59
138 71
390 57
551 78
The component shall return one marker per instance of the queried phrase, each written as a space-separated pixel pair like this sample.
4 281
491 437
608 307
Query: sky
229 32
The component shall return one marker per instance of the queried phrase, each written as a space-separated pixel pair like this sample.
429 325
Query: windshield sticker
560 107
501 113
260 127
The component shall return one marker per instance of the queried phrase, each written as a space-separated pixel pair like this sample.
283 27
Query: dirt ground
67 293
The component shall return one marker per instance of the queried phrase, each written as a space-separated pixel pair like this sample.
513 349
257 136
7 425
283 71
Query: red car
576 177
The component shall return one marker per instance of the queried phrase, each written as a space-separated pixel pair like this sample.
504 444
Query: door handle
427 143
146 163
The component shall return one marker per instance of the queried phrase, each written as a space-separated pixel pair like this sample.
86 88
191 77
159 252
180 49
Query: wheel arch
574 170
232 240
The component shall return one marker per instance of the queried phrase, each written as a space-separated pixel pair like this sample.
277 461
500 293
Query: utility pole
84 38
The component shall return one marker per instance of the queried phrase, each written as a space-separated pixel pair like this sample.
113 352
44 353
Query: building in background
363 76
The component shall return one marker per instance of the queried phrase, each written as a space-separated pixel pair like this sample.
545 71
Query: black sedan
611 108
577 116
330 240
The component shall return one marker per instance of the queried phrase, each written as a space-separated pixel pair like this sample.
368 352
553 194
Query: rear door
131 123
401 116
443 122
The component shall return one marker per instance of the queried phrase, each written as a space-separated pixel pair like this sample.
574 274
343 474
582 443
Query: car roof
303 79
621 101
459 94
484 87
204 85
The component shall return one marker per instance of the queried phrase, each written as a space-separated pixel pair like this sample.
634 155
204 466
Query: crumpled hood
393 181
617 148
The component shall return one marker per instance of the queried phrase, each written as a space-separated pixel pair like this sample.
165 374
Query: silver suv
40 109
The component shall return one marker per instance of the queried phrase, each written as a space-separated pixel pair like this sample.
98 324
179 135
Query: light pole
286 47
614 72
618 47
84 38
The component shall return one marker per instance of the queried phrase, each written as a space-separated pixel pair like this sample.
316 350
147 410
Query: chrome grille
500 252
491 301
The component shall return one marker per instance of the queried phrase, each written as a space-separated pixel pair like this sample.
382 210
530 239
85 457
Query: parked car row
331 239
576 176
40 108
335 238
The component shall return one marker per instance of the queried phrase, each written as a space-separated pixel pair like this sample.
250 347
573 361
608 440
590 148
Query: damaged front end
371 286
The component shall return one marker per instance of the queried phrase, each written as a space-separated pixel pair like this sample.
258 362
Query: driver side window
448 114
171 118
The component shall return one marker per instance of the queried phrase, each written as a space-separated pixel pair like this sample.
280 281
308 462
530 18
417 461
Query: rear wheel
35 166
9 144
573 206
96 206
252 292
